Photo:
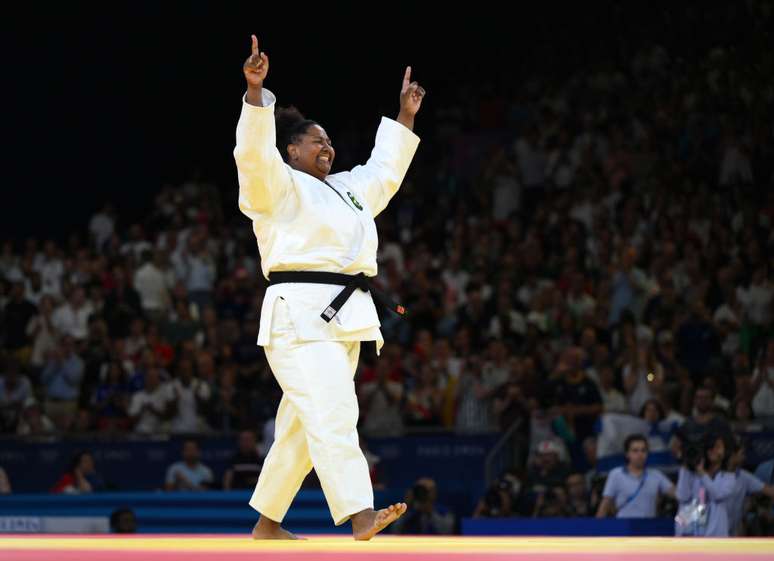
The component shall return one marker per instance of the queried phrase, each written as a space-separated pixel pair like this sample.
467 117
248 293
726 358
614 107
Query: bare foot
267 529
367 523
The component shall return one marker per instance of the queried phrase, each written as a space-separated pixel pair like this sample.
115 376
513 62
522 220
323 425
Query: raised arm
379 179
264 179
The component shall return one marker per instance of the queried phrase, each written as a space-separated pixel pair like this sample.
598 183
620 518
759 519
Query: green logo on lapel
354 201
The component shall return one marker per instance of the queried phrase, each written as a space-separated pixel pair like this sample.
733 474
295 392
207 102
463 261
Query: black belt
349 282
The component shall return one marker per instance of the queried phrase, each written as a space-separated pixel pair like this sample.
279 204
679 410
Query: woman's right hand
256 67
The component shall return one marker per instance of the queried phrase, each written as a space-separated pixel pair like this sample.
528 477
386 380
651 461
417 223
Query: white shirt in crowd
201 273
149 422
101 227
73 322
187 418
763 401
151 284
51 272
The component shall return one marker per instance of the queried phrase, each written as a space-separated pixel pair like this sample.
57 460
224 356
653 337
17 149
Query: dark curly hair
291 124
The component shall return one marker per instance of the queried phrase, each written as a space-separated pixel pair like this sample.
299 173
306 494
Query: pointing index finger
407 77
255 44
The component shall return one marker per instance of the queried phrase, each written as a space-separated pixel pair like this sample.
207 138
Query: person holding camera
634 489
704 487
746 484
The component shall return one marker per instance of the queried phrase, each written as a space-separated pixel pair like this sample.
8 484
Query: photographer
703 488
634 489
746 484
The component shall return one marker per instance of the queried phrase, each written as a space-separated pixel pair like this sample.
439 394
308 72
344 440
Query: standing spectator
200 272
423 401
61 378
15 389
40 329
746 484
150 282
15 318
226 408
577 396
153 405
102 226
72 317
634 489
190 474
245 466
763 384
474 398
51 269
642 376
111 399
381 400
710 484
613 401
191 396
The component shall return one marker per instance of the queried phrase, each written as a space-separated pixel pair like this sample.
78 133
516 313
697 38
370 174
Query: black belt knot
349 282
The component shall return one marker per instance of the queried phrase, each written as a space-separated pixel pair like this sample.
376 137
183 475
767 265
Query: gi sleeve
264 178
380 177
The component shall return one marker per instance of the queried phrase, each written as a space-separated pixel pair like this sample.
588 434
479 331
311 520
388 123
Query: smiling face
312 152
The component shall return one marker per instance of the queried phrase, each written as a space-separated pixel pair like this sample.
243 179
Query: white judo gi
301 224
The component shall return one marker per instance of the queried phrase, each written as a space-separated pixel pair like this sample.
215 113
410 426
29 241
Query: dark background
108 102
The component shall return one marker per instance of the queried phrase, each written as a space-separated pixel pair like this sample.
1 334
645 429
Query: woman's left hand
411 94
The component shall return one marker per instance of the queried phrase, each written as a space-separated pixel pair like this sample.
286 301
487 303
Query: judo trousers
316 424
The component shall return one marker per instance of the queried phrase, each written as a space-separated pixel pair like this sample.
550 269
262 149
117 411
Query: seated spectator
552 503
245 466
578 495
80 477
152 406
497 502
190 474
424 517
633 490
61 378
5 483
547 470
123 521
15 388
33 421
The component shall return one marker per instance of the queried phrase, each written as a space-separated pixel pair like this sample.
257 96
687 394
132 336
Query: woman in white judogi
318 241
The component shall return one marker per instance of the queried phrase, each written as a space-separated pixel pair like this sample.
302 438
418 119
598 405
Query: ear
292 152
